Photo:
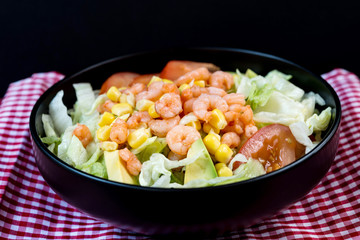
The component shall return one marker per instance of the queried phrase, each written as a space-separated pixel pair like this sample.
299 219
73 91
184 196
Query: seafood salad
191 125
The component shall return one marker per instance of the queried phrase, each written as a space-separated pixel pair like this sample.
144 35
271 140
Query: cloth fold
29 209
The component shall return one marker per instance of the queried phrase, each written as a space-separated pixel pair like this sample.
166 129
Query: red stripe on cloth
30 209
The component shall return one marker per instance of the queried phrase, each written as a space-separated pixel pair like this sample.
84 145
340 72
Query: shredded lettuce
76 151
155 147
319 122
85 96
94 157
281 109
98 101
64 145
156 172
48 126
58 113
51 140
142 147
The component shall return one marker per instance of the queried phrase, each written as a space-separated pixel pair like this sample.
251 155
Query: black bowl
207 210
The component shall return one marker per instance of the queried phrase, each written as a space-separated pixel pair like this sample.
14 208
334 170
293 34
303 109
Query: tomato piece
144 78
176 68
274 145
120 79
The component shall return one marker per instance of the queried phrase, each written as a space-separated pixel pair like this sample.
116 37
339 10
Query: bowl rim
36 139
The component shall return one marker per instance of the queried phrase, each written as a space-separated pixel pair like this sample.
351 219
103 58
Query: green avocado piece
203 167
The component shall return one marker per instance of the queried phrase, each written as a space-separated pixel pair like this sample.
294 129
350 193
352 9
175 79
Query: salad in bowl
191 125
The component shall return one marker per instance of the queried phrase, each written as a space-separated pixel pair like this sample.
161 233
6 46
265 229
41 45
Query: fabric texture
29 209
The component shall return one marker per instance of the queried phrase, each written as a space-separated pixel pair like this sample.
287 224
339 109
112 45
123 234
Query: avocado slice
201 168
116 168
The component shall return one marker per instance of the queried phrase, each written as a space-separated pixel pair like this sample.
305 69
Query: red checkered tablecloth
29 209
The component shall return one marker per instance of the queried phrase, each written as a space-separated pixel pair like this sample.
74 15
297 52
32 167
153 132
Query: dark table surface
66 36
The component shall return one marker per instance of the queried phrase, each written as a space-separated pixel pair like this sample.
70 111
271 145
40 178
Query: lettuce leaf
319 122
85 96
48 125
58 113
76 151
156 172
156 146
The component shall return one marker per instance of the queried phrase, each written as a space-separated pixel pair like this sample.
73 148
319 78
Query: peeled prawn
133 165
82 132
119 131
180 138
205 103
197 74
169 105
135 88
221 80
161 127
231 139
174 156
250 130
106 106
137 118
153 93
188 105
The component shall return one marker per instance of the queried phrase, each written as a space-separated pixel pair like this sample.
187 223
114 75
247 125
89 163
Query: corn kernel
152 112
154 79
207 127
194 124
212 143
223 153
113 94
217 119
125 116
106 119
143 104
167 81
121 109
138 137
183 87
200 83
103 133
109 146
218 166
225 172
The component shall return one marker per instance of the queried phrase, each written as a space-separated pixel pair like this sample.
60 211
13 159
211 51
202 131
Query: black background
66 36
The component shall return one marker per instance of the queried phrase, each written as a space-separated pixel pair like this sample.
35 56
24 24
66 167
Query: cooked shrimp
234 127
119 131
233 123
169 105
246 115
234 98
161 127
82 132
180 138
135 88
137 118
170 88
205 102
231 139
216 91
197 74
153 93
106 106
221 80
133 165
250 130
174 156
188 105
